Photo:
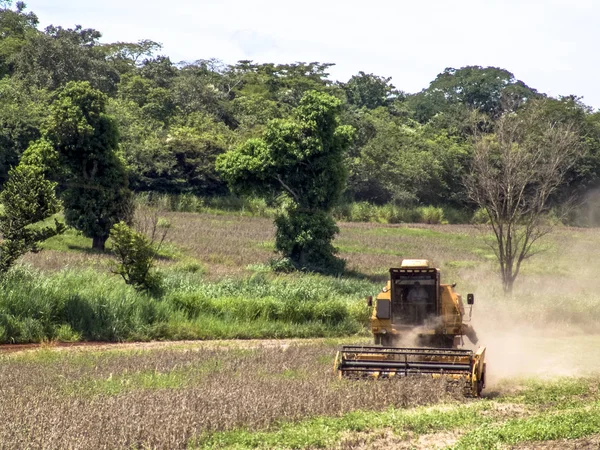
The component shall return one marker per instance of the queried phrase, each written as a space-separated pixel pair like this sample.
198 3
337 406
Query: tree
28 199
160 70
513 174
301 159
195 143
370 91
198 88
53 58
404 161
490 90
85 140
15 27
125 56
22 111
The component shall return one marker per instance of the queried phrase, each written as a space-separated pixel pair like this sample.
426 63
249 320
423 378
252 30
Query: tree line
104 119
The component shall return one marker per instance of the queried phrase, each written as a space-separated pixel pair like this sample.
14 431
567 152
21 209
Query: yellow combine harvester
427 320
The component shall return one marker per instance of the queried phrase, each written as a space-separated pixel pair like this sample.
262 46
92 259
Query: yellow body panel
452 313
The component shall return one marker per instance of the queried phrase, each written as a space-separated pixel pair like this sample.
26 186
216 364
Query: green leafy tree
85 139
406 162
300 158
126 56
490 90
22 111
199 88
28 199
52 58
154 102
160 70
15 27
195 142
370 91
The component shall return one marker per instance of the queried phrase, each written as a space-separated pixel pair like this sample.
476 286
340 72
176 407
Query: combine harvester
427 319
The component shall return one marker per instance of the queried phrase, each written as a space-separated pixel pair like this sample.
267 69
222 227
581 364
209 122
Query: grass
218 283
349 212
572 424
325 432
177 378
483 425
85 305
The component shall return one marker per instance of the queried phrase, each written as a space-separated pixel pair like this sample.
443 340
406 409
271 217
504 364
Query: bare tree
514 172
147 221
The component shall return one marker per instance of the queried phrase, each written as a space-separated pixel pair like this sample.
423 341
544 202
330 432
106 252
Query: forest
172 120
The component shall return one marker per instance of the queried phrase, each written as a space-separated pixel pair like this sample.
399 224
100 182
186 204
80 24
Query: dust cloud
517 349
550 327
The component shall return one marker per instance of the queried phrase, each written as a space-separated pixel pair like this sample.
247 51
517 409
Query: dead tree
513 174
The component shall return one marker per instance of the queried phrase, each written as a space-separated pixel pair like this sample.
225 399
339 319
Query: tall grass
349 212
250 206
71 305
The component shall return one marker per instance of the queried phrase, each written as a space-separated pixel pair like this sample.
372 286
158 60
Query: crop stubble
163 398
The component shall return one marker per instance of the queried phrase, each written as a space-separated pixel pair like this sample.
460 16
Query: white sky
548 44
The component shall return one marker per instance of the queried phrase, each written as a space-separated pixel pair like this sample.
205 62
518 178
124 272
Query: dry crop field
164 398
249 395
543 355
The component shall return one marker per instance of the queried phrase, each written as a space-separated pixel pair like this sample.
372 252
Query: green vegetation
98 119
28 200
135 254
325 432
570 424
348 212
301 160
214 286
175 120
68 305
79 147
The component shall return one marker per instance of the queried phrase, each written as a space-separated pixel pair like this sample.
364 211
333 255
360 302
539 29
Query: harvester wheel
481 382
385 340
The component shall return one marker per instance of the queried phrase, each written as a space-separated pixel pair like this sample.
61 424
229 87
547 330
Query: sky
551 45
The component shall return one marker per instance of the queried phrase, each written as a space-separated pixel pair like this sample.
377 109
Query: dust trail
520 350
409 339
551 325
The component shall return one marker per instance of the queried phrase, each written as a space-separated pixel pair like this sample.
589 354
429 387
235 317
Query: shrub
456 216
480 217
432 215
135 254
361 212
64 333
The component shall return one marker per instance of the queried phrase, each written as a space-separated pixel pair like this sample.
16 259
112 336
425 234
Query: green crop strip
323 432
570 424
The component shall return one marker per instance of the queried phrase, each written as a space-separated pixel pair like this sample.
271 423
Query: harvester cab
415 305
428 320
